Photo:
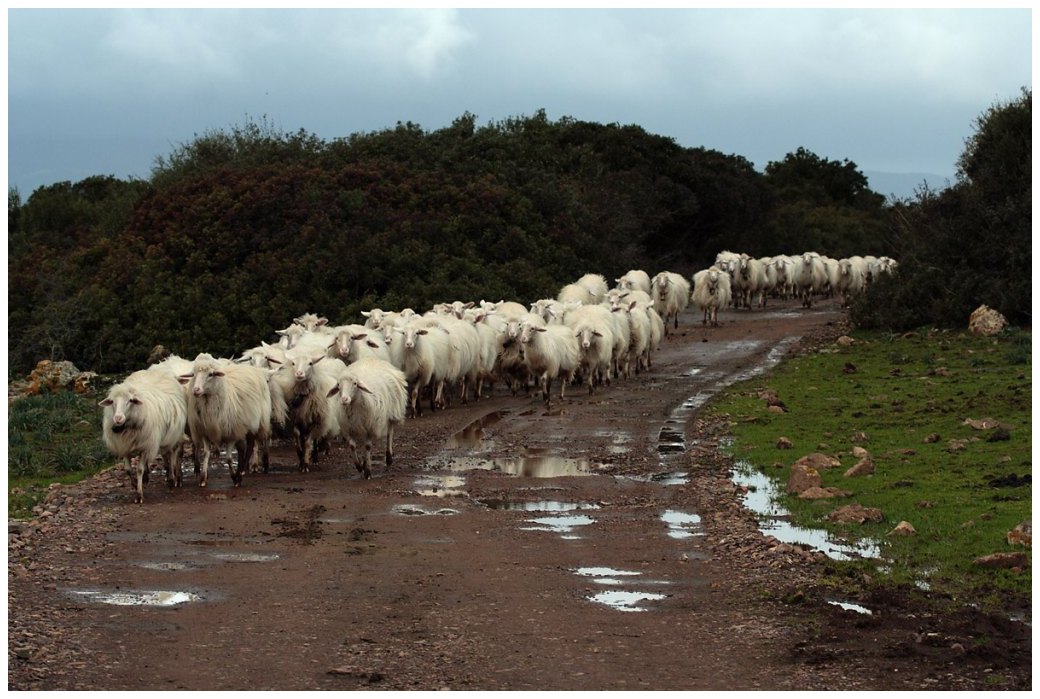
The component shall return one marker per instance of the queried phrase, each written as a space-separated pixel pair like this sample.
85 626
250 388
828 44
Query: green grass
52 438
887 394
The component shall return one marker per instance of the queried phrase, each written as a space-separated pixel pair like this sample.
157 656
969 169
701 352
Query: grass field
907 400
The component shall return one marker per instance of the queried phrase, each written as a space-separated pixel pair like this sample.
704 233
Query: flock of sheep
359 382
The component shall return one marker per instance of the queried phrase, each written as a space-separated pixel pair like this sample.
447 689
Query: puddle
663 478
763 497
143 598
415 510
671 440
850 606
542 506
564 526
440 486
165 565
473 434
604 572
625 601
527 466
246 557
682 525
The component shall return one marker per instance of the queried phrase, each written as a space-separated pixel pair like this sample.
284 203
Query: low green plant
52 437
909 401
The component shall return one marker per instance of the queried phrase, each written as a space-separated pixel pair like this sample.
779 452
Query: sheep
594 329
488 332
425 350
752 275
572 293
463 365
552 310
305 380
145 415
851 279
506 310
311 321
634 279
657 331
622 340
711 291
373 397
595 284
509 362
771 278
641 329
352 342
228 403
810 275
671 293
176 366
549 351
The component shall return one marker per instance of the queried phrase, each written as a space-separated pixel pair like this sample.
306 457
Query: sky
107 91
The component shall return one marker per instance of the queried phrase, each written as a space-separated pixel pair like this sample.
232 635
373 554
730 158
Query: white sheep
311 321
145 415
595 284
851 279
671 294
425 351
463 365
576 293
711 291
622 340
506 310
228 403
634 279
353 342
752 275
810 276
549 351
305 380
373 396
641 329
593 327
489 330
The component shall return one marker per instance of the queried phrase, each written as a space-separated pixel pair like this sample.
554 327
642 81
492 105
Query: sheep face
122 404
301 366
203 380
347 389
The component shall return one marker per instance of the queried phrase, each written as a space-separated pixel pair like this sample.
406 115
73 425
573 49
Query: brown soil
326 581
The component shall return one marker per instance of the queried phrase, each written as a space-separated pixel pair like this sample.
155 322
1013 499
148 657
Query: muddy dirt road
596 545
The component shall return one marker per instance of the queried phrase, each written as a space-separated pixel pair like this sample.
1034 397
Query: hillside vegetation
239 231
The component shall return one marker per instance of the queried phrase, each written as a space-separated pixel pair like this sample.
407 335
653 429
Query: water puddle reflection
626 601
527 466
142 598
850 607
564 526
763 497
682 525
440 486
542 506
414 510
246 557
473 434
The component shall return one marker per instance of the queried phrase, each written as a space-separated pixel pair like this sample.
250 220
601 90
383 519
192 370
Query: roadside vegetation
946 418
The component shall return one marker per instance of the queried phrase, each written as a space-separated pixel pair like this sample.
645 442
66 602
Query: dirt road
598 544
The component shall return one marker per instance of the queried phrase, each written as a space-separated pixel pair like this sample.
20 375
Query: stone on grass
904 528
856 514
801 478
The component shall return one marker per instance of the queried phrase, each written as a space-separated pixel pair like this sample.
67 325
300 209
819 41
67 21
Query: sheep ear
421 331
542 330
105 403
597 333
372 344
323 321
363 387
217 373
367 314
333 391
273 360
468 305
185 378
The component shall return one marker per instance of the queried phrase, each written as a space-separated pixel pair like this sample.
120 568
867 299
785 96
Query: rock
801 478
818 493
776 409
864 467
1001 434
860 452
860 437
845 341
986 321
1003 560
957 445
51 376
818 461
1022 534
855 514
932 438
904 528
784 443
849 368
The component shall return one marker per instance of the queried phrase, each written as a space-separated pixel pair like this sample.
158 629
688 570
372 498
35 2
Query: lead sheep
550 352
228 403
373 398
671 294
711 291
594 329
145 415
305 380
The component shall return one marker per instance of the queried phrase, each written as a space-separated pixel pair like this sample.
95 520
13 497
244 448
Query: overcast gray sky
104 92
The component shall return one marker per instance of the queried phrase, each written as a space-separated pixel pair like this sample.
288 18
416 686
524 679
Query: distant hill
903 185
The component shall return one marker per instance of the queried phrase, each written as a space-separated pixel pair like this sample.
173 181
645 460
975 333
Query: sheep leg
367 470
390 445
245 455
204 464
